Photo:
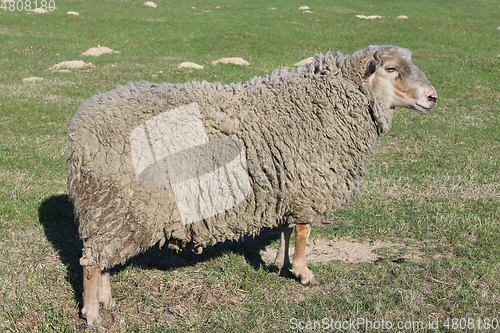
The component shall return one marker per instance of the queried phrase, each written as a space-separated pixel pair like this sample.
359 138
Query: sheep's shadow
56 215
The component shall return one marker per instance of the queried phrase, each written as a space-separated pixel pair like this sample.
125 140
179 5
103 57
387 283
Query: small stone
402 17
73 13
150 4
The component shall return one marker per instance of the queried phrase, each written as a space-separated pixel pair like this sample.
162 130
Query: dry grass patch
38 91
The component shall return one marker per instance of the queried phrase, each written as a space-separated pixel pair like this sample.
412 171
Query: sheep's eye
391 69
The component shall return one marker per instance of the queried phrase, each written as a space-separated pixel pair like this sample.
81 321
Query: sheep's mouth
421 109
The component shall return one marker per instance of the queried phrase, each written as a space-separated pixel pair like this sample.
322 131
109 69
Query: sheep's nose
432 96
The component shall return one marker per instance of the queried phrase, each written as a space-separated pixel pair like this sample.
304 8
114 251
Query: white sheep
198 163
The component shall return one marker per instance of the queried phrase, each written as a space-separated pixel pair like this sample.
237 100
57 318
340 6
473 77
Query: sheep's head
397 82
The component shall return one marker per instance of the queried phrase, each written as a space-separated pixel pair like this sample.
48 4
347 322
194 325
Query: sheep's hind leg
91 282
299 267
282 260
105 291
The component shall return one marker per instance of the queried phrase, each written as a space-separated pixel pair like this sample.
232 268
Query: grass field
433 187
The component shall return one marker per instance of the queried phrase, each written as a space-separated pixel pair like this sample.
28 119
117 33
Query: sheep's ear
373 64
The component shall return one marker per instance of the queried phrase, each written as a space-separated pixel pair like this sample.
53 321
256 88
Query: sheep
199 163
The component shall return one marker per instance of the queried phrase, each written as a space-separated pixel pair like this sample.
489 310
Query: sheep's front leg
282 260
299 267
91 283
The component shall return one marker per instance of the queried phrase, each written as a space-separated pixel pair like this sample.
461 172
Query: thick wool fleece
307 136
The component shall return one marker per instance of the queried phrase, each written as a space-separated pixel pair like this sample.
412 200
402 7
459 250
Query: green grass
433 187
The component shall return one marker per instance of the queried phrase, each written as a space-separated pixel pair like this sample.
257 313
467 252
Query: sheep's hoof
93 319
311 281
106 300
307 277
95 322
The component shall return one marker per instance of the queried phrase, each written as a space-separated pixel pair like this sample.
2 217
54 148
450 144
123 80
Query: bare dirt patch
32 79
190 65
70 64
40 11
324 250
234 60
371 17
99 50
304 62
